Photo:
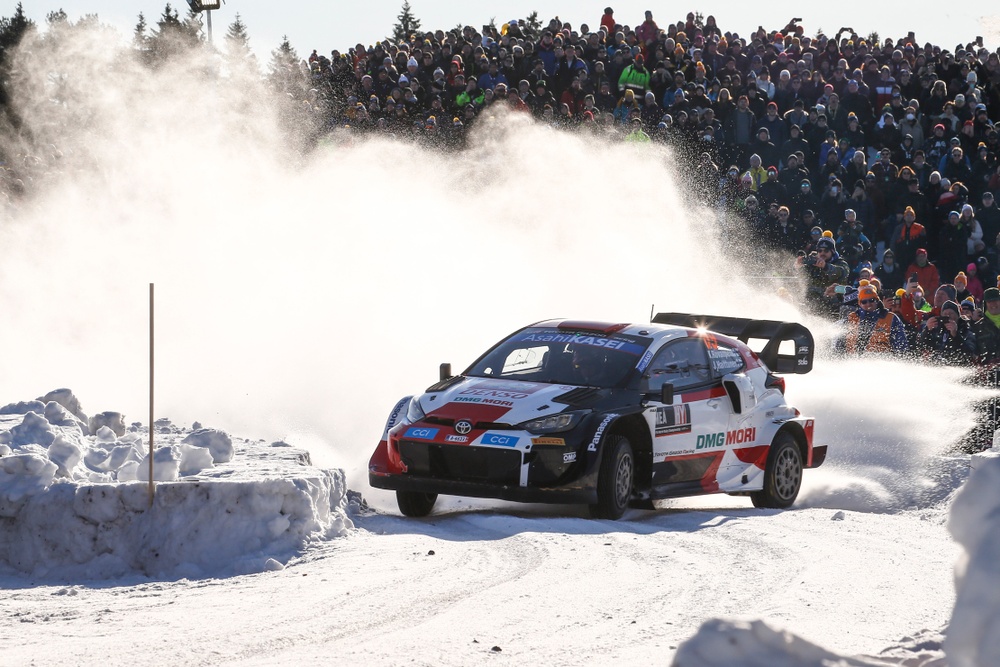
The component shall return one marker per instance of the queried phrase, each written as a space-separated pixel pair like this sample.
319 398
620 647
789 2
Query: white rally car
612 415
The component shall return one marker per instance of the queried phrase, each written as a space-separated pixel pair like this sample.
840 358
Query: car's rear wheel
782 474
615 479
414 503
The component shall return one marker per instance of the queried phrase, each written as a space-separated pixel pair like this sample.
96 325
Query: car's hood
507 401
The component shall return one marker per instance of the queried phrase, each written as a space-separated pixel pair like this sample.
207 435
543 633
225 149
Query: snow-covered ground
251 555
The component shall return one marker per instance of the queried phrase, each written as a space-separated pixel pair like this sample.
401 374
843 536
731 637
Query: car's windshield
543 354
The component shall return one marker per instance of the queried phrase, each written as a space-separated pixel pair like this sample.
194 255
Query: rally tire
782 474
415 503
615 480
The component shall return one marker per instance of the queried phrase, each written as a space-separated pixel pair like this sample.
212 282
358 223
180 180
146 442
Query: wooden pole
151 486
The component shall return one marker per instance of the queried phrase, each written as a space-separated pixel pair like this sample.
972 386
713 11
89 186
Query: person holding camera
871 328
948 338
823 267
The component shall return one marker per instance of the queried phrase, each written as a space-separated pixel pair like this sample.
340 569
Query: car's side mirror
648 387
445 372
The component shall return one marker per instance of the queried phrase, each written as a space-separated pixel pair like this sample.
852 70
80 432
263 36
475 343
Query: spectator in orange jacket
927 273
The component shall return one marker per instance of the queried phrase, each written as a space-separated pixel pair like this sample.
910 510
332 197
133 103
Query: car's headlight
563 421
414 412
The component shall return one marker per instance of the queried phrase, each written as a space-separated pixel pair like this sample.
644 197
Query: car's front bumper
546 475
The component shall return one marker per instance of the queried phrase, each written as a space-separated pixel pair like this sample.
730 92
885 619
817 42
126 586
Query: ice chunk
166 466
34 429
112 420
194 459
218 443
66 454
22 407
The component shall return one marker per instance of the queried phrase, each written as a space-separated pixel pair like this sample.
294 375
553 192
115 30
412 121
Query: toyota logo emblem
463 426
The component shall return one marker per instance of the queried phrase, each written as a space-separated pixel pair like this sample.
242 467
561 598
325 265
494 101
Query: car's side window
684 363
725 359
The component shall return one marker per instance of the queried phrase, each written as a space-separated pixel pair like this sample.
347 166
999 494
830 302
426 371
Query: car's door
742 440
687 433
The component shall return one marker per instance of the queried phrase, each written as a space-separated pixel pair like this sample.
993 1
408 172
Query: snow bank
755 644
974 631
973 634
74 504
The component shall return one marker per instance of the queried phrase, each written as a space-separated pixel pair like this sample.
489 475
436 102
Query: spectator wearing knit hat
973 282
823 268
636 77
936 145
953 242
926 272
948 338
871 328
889 273
961 283
907 238
772 190
974 245
893 302
986 327
776 128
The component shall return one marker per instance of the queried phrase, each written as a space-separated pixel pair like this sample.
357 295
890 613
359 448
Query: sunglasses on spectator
867 301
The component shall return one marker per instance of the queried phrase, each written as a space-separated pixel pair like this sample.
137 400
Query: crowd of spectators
886 145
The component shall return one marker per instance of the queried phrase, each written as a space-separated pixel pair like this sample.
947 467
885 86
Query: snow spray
304 286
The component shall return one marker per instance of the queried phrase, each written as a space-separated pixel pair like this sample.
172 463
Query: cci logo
499 440
420 433
463 426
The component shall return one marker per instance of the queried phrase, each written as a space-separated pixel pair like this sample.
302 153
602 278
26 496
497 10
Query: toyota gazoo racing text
611 415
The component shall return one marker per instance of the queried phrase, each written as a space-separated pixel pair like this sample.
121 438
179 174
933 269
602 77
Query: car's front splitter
525 494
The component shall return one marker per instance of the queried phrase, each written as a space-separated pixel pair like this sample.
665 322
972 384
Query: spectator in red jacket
926 272
608 22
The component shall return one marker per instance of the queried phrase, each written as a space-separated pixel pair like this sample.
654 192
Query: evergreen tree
237 47
193 25
56 18
534 26
139 36
283 70
408 24
173 36
12 31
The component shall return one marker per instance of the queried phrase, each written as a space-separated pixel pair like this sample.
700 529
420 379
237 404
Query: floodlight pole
208 12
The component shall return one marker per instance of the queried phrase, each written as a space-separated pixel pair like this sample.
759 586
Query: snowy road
543 586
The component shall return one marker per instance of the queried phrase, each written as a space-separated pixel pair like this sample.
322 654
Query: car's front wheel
414 503
782 474
615 479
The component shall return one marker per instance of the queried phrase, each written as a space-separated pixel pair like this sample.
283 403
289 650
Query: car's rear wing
773 332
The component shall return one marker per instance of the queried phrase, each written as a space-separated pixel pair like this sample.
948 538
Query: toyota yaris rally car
611 415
